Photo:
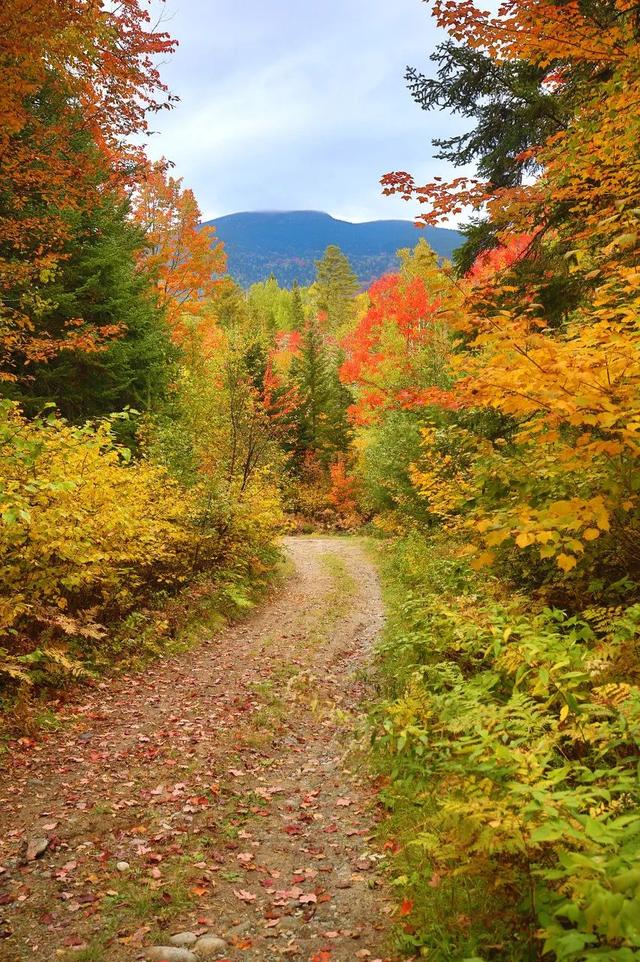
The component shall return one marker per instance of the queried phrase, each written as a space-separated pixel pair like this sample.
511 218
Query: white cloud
297 105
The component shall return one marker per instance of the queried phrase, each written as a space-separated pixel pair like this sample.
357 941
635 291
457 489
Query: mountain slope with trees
287 244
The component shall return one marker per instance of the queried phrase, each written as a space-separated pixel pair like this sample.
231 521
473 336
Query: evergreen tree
297 310
310 372
320 423
101 283
230 306
336 285
511 110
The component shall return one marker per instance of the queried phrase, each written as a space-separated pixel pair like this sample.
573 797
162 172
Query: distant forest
287 244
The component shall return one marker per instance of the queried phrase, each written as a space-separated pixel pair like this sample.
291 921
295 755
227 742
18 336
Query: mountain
288 243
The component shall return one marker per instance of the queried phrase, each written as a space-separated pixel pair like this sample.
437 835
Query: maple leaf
309 898
406 907
244 896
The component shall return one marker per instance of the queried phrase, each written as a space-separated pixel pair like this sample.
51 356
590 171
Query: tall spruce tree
100 281
297 310
336 286
511 109
321 425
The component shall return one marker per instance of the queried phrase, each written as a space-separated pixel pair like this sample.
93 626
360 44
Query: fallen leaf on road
244 896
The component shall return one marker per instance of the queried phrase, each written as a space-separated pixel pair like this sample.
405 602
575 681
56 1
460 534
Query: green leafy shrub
511 740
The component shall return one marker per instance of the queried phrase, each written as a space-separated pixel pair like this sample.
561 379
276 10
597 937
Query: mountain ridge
288 243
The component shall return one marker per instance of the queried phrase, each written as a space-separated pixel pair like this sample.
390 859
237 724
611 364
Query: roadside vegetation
160 427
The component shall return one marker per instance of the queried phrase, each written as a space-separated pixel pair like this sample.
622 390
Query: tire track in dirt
213 793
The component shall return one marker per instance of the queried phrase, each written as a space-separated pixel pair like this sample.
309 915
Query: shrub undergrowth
509 740
98 552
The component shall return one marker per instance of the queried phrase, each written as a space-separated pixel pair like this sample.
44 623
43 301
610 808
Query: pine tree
336 285
321 425
297 310
511 110
312 376
100 281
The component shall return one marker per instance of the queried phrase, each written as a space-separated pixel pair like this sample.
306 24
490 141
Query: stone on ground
170 953
183 940
209 946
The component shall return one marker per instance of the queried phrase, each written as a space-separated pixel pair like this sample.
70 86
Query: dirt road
216 794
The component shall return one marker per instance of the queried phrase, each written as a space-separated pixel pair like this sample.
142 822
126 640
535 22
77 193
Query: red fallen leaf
199 890
244 896
406 907
299 878
323 956
324 897
292 893
391 845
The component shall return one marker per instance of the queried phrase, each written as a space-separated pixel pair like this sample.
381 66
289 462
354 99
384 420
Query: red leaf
406 907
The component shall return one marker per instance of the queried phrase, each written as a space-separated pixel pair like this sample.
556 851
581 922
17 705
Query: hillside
287 244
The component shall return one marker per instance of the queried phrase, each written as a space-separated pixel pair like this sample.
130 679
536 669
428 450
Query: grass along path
211 794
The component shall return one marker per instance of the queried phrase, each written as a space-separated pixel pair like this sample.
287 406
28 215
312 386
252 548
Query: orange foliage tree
186 257
77 80
569 393
396 355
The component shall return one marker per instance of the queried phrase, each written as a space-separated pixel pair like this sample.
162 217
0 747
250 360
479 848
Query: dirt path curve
216 793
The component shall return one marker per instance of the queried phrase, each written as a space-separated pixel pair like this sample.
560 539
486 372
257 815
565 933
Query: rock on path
211 804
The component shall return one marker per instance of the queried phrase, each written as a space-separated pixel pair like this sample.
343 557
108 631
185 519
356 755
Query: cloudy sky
297 104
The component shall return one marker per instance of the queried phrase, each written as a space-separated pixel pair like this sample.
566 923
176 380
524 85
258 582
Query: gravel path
213 802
